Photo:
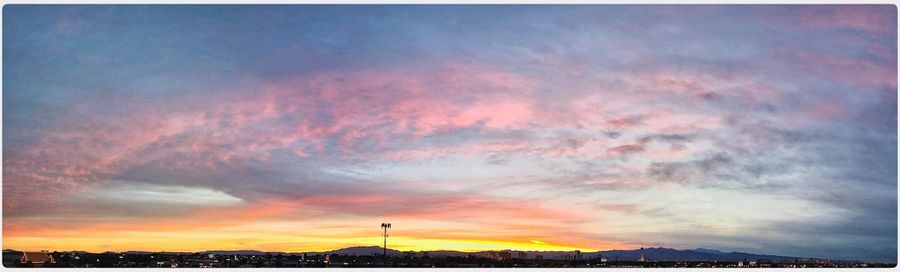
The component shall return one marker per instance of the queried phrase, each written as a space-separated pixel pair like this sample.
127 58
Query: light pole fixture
385 226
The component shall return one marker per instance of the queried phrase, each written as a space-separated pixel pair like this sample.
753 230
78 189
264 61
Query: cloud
691 171
502 120
625 149
125 193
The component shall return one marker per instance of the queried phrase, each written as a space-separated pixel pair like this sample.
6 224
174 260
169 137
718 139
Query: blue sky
758 128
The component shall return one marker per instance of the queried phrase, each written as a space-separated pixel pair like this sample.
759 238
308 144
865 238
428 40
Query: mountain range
652 254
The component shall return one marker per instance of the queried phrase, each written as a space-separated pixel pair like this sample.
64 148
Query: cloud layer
757 128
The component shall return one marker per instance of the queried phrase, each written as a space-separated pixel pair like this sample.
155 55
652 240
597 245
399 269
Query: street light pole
385 226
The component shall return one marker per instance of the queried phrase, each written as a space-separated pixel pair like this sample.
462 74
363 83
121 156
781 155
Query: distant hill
650 254
669 254
235 252
361 251
706 250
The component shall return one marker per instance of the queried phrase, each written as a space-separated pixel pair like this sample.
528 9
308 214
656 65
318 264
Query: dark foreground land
145 259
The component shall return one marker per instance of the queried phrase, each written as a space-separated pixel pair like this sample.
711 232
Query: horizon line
380 247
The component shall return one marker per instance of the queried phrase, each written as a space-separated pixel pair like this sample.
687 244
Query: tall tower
385 226
642 254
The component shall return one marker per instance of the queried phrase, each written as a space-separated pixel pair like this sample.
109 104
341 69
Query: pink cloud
875 19
235 127
626 149
496 115
624 122
820 110
845 70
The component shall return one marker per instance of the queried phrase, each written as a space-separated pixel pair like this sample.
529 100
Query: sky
757 128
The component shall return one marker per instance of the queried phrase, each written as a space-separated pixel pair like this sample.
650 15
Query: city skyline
751 128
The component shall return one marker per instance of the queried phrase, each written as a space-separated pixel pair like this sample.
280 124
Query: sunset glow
301 128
